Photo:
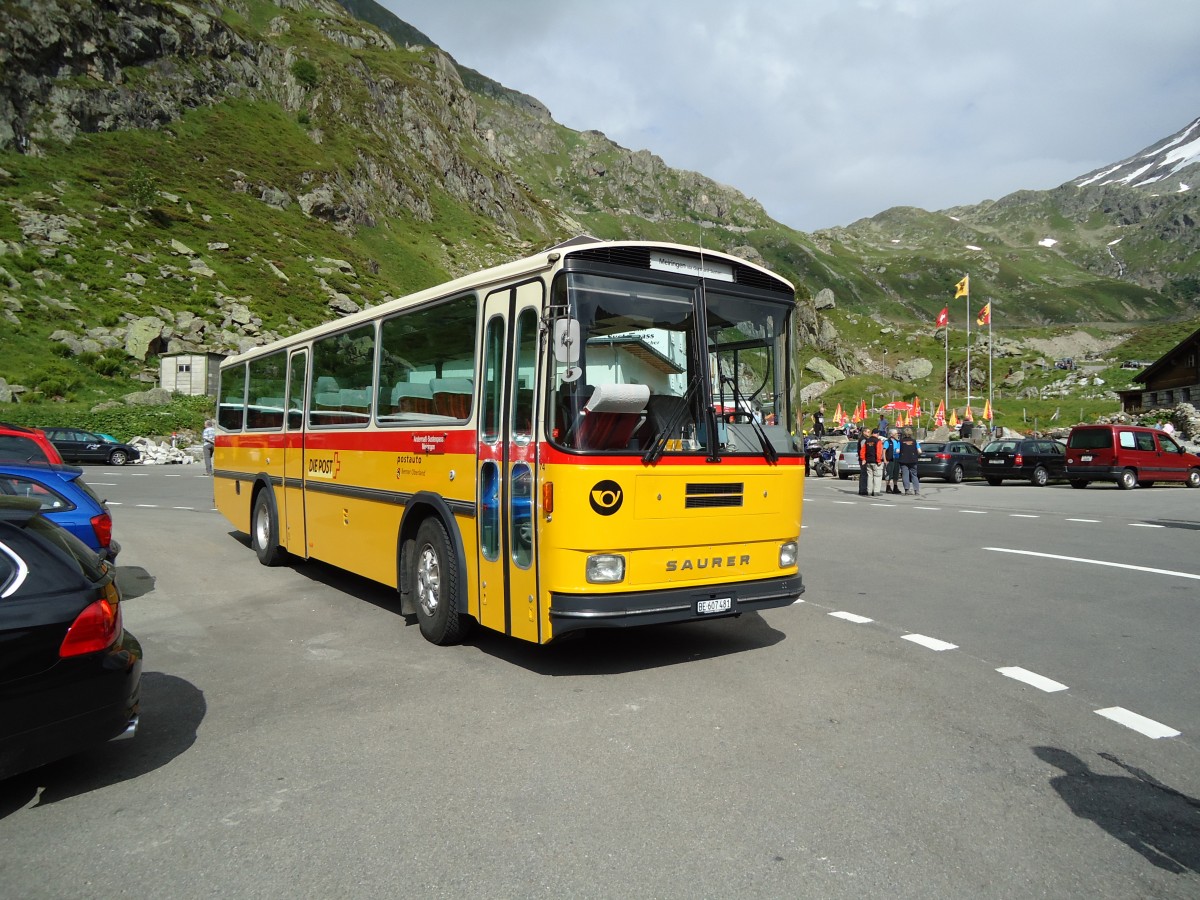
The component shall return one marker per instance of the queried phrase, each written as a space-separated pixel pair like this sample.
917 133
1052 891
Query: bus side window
343 368
232 392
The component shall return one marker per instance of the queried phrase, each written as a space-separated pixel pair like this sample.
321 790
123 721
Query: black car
86 446
70 674
1036 460
950 460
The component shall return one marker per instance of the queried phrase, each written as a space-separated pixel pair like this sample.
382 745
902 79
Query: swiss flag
943 318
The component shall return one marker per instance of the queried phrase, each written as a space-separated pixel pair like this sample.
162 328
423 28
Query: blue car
64 498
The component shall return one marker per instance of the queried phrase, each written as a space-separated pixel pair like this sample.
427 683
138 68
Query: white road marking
1148 727
851 617
103 483
931 508
797 601
1097 562
974 512
931 643
1145 525
845 502
183 507
147 506
1022 516
1083 520
1040 682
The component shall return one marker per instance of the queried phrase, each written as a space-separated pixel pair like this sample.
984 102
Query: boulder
913 369
824 299
826 371
142 334
152 397
812 391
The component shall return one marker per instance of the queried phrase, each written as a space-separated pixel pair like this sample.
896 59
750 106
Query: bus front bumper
574 612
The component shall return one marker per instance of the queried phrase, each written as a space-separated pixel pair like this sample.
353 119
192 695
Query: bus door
507 463
294 536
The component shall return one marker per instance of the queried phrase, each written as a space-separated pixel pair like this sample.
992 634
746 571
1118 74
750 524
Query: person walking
882 428
910 449
891 459
870 455
819 422
209 438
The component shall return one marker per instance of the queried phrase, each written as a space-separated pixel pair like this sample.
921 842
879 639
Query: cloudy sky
827 111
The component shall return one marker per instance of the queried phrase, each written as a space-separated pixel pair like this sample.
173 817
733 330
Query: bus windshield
635 366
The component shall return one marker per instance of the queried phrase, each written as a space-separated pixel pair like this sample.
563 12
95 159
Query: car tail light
943 456
1017 460
102 525
96 628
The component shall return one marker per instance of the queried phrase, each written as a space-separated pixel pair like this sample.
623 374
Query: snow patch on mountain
1153 164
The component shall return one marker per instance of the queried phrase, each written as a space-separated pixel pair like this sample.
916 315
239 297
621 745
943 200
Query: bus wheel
436 584
264 530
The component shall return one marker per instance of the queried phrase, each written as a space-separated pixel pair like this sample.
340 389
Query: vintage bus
595 436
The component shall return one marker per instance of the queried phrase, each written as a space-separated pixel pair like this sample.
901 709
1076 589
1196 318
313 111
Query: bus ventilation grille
701 496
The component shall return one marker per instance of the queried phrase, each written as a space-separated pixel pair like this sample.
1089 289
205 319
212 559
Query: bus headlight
606 568
787 555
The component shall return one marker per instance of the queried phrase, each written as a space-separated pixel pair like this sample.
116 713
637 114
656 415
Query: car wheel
1040 477
1077 483
993 480
264 530
435 585
118 458
1193 478
956 475
1128 480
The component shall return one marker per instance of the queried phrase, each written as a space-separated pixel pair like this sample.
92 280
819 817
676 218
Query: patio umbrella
898 405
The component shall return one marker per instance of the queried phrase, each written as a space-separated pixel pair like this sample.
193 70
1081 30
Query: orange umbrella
967 417
839 416
939 417
953 423
916 407
987 410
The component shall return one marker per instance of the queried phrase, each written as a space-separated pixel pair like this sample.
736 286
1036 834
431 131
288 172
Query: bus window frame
373 326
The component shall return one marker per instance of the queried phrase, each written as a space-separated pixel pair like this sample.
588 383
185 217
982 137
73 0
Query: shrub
306 73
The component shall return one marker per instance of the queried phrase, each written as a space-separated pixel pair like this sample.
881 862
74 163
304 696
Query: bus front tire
435 585
264 530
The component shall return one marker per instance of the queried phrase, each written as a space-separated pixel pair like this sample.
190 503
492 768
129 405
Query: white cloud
829 110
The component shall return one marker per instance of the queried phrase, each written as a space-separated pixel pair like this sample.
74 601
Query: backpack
872 452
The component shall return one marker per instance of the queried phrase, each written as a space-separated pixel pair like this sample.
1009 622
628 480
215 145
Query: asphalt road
300 739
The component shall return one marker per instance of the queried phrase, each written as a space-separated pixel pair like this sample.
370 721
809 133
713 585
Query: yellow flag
963 288
953 423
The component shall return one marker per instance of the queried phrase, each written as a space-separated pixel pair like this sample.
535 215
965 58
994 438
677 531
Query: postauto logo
606 497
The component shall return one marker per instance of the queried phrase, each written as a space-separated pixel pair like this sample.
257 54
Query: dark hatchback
1036 460
952 461
70 674
86 446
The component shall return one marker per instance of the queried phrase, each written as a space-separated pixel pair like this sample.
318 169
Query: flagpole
946 371
968 293
991 397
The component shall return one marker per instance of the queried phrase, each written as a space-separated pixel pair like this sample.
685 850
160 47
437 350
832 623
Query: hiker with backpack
870 455
891 456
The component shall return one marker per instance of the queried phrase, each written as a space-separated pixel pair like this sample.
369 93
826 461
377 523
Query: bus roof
542 260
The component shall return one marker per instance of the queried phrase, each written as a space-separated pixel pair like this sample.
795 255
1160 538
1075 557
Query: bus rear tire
435 585
264 530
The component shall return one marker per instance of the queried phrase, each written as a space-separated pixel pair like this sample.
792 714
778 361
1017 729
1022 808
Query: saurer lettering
715 562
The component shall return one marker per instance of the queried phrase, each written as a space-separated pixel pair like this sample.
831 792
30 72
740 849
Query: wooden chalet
1173 379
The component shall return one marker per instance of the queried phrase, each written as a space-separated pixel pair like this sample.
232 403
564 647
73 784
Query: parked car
1036 460
845 458
22 444
950 460
87 446
70 674
65 499
1128 455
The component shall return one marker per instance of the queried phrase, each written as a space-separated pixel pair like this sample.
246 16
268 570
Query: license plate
922 459
996 462
717 604
1085 459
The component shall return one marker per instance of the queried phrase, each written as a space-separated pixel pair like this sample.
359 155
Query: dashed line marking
1041 682
184 507
1022 516
1141 724
974 512
147 505
1082 520
103 483
930 642
797 601
114 502
851 617
1144 525
1097 562
845 502
930 508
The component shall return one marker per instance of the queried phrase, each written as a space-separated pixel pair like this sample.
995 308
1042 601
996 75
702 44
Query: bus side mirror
566 347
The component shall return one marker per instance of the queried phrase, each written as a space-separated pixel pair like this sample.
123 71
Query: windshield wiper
656 449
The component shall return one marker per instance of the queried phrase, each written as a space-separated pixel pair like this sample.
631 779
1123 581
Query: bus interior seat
611 416
327 383
412 397
452 396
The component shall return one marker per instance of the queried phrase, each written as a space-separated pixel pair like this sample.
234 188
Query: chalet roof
1164 361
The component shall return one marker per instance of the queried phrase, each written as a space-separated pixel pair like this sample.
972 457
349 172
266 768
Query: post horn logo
606 497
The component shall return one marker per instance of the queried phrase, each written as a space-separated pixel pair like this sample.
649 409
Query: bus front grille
707 496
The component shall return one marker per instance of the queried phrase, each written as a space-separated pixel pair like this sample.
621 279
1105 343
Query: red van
1128 455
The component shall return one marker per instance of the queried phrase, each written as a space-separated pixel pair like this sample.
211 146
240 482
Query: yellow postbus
595 436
